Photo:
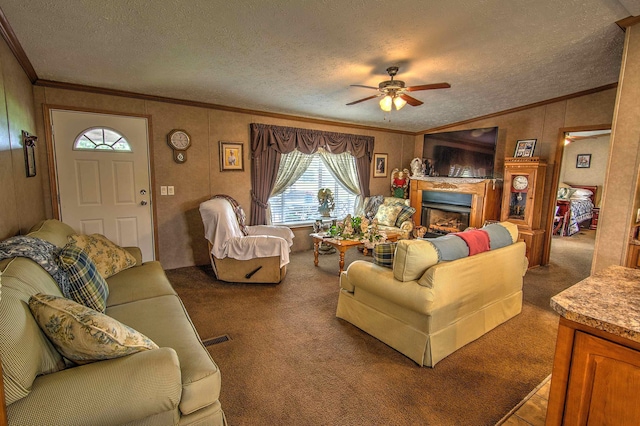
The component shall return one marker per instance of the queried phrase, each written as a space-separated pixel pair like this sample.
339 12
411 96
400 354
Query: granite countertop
608 300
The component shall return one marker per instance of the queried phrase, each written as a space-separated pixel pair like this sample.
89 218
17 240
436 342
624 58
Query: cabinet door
604 383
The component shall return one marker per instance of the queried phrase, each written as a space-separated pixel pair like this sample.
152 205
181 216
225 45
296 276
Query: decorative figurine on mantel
416 167
400 183
327 204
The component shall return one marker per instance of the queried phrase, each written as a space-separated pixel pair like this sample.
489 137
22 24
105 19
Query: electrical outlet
163 190
170 190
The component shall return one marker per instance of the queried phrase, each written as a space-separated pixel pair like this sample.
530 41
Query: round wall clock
179 141
520 182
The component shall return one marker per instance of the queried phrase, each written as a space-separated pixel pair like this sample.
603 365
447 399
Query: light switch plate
170 190
163 190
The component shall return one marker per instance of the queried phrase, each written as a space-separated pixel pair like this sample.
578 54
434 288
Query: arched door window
101 138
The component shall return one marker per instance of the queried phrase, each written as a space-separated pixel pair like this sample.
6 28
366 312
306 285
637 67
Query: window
101 138
299 202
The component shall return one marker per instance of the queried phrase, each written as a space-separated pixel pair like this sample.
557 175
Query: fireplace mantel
486 195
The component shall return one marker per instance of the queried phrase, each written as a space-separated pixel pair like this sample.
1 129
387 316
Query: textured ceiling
300 57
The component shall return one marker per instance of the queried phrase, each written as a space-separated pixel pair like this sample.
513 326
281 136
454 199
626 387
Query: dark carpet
290 361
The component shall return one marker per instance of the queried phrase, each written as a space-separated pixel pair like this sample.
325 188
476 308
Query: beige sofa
176 384
405 228
427 310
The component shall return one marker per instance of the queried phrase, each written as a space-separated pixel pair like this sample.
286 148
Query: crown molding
520 108
627 22
10 37
135 95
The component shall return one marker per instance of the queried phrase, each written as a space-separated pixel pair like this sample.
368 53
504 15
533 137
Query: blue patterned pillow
383 254
404 215
86 285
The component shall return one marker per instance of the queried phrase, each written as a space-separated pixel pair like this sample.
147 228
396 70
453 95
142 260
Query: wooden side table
595 212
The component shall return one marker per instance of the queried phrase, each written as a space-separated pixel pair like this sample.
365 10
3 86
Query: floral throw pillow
108 257
83 335
387 215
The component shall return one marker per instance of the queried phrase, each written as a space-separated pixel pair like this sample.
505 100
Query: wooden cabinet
534 240
523 187
596 378
522 202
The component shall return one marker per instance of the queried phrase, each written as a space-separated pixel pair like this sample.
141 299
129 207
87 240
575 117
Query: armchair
239 253
403 223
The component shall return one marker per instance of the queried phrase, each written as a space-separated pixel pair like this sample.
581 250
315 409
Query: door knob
143 203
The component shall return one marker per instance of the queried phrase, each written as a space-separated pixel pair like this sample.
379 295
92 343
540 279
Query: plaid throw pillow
404 215
383 254
86 285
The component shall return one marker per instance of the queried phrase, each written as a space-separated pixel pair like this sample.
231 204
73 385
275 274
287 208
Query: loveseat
177 383
426 307
398 221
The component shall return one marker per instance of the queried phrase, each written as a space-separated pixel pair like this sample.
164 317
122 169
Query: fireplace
457 202
445 212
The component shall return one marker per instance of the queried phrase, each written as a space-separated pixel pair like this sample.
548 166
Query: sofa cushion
412 258
499 236
52 230
108 256
25 350
86 285
383 254
165 320
84 335
405 214
387 214
138 283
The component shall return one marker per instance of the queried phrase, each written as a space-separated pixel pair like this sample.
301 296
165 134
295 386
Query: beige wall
621 197
542 123
180 231
21 198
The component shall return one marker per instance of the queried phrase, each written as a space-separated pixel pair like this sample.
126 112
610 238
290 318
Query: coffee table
341 245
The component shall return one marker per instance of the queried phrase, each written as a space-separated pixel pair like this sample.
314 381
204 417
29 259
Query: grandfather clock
522 201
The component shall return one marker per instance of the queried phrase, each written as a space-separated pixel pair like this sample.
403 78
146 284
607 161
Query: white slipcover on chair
261 256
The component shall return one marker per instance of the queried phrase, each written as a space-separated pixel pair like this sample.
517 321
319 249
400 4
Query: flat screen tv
461 154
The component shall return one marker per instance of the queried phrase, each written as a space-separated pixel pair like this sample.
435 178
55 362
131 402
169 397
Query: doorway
580 174
102 176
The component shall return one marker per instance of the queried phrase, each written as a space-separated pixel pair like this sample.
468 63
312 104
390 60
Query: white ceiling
300 57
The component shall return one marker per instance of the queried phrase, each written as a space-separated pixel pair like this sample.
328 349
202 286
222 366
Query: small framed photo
525 148
380 164
583 161
231 156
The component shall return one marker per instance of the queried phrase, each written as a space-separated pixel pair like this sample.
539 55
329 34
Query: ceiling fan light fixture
399 102
386 103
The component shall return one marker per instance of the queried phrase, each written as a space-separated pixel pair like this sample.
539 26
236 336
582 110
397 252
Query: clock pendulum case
522 201
179 141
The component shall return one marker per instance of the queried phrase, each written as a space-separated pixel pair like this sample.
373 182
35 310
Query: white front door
103 181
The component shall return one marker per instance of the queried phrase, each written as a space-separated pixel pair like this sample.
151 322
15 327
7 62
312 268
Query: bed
574 205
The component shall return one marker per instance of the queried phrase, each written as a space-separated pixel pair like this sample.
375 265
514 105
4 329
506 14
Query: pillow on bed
581 194
565 193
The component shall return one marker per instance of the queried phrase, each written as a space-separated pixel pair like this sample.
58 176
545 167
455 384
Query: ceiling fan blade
363 99
428 87
366 87
410 100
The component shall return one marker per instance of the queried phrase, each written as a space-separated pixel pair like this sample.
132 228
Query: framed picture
29 142
231 156
583 161
380 165
525 148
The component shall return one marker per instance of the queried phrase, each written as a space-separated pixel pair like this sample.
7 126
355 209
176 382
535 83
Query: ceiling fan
394 92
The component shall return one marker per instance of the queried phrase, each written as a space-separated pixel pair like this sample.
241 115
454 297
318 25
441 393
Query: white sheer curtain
343 168
292 166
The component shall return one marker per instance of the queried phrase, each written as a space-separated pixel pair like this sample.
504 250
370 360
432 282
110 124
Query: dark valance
269 142
286 139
